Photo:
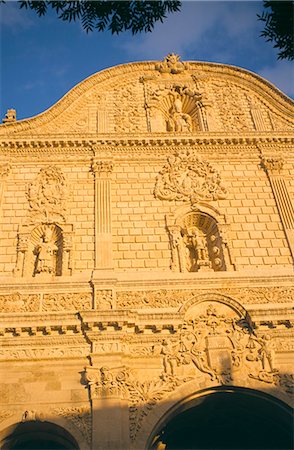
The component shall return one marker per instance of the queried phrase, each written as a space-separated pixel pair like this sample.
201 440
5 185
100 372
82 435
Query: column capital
5 169
100 167
273 165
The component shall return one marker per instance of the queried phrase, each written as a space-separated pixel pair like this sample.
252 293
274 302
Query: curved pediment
163 97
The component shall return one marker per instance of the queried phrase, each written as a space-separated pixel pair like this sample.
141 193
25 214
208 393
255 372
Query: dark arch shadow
37 435
226 418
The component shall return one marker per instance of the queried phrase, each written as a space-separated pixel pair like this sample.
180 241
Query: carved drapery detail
103 238
273 165
187 178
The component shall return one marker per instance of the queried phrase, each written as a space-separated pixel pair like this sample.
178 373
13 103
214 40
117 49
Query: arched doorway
231 418
35 435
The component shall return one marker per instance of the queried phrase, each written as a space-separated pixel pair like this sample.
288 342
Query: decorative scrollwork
186 177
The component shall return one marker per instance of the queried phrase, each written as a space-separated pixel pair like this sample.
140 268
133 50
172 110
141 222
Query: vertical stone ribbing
273 167
4 172
103 238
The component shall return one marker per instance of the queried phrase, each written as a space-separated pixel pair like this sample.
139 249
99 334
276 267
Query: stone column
110 422
103 238
274 167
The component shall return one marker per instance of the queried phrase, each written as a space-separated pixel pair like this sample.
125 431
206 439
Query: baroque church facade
146 263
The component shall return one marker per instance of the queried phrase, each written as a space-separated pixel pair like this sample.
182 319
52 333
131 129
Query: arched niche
199 241
225 417
44 250
177 109
36 435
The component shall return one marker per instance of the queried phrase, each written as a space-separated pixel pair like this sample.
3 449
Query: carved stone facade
146 252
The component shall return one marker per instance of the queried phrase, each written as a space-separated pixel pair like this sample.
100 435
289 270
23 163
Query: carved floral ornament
186 177
273 165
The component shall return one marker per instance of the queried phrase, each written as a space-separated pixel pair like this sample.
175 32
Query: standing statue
170 358
197 251
179 121
45 253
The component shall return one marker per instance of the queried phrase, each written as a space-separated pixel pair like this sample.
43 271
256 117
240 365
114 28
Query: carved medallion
47 195
186 177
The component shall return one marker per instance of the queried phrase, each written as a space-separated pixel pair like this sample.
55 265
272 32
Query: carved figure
171 64
179 121
10 116
265 353
196 250
45 253
170 359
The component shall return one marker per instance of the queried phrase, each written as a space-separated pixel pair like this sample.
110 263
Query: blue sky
43 58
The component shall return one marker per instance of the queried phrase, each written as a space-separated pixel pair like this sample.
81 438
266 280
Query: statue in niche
179 121
45 253
196 250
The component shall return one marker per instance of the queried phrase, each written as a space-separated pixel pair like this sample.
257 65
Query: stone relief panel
78 301
175 298
185 177
16 302
47 196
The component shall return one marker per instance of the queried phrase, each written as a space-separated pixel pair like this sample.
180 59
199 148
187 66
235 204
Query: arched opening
38 435
231 418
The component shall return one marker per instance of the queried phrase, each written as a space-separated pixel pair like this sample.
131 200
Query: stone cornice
140 145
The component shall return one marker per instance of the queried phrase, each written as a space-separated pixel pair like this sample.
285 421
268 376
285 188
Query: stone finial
10 116
171 64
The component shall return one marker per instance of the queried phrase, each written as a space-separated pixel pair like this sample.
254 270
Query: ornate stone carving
273 165
186 178
5 414
10 116
62 301
47 196
45 253
32 416
199 243
79 416
141 396
102 167
5 170
44 250
104 299
171 64
64 351
16 302
151 299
